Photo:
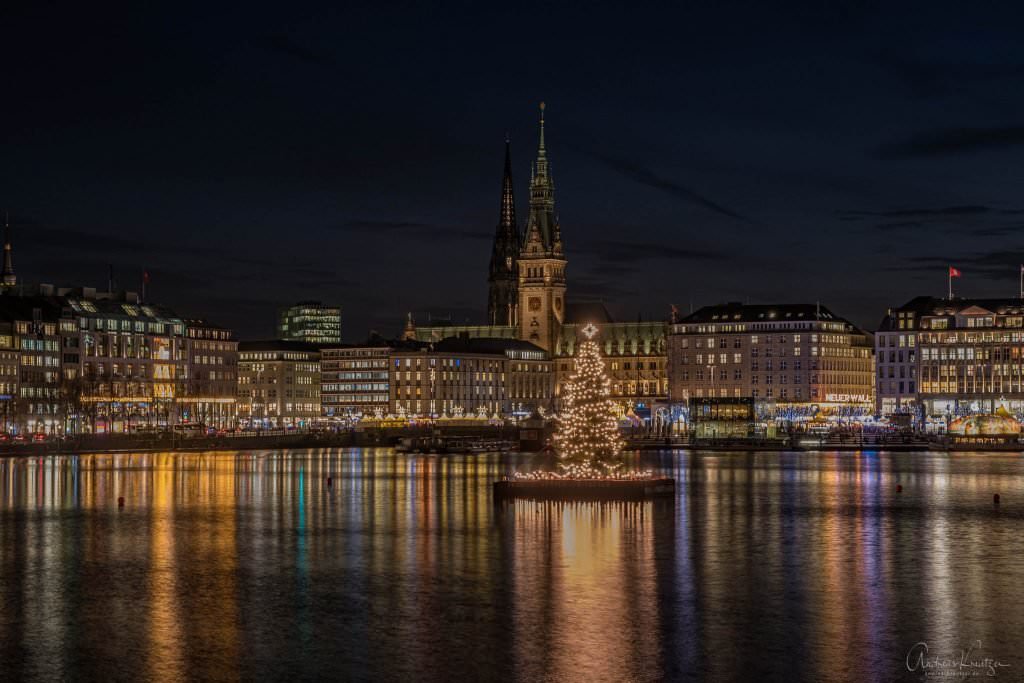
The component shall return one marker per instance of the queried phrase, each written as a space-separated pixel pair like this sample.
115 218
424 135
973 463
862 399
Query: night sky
254 155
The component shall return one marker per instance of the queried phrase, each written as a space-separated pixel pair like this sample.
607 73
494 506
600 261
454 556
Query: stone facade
354 380
799 356
211 387
278 384
467 375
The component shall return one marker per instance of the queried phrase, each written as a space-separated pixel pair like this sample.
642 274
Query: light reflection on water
765 567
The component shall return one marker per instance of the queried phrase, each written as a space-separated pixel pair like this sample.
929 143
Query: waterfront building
950 357
354 380
211 387
128 361
537 281
793 360
101 361
467 376
30 378
278 384
311 321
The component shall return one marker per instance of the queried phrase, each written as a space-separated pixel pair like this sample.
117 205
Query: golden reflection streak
585 590
165 631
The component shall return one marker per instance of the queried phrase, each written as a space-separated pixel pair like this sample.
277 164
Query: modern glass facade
312 322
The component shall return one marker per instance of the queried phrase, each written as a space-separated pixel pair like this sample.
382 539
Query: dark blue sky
254 155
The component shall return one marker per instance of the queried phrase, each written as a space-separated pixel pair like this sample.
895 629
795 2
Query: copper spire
8 278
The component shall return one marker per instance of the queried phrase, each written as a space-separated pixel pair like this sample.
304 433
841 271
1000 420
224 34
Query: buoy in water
120 501
995 499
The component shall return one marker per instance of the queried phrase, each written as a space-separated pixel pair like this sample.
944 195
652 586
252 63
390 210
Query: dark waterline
766 567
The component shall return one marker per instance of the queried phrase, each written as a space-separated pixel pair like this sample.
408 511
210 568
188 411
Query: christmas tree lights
588 440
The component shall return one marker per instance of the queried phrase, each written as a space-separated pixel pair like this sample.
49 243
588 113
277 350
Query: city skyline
248 167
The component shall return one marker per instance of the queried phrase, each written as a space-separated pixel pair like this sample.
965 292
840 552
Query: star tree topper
590 330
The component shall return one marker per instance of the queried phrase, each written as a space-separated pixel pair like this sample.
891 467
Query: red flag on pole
953 272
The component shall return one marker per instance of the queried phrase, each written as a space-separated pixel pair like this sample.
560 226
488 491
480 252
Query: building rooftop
13 307
484 345
930 306
464 344
277 345
759 313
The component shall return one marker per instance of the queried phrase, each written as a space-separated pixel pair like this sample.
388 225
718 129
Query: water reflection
765 567
584 578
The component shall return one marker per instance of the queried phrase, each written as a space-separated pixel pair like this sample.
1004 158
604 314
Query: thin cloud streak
951 141
646 176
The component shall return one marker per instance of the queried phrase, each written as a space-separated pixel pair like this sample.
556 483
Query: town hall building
527 300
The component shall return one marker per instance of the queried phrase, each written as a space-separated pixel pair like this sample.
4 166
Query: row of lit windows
279 355
936 371
328 376
208 360
976 386
356 398
367 386
44 361
893 340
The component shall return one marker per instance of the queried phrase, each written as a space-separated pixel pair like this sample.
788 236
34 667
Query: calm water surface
766 567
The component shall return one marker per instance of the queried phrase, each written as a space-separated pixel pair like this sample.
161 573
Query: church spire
541 152
508 201
504 271
542 261
7 277
409 333
540 226
541 165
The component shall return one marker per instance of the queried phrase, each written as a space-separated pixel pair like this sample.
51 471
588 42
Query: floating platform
584 489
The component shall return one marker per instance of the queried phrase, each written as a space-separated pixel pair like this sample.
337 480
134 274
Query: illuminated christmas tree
588 439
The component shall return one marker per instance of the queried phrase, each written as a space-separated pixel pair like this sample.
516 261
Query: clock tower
541 259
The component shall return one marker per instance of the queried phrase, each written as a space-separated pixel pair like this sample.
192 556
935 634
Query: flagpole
1022 281
949 277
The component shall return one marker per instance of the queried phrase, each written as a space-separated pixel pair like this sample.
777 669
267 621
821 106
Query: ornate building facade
951 357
